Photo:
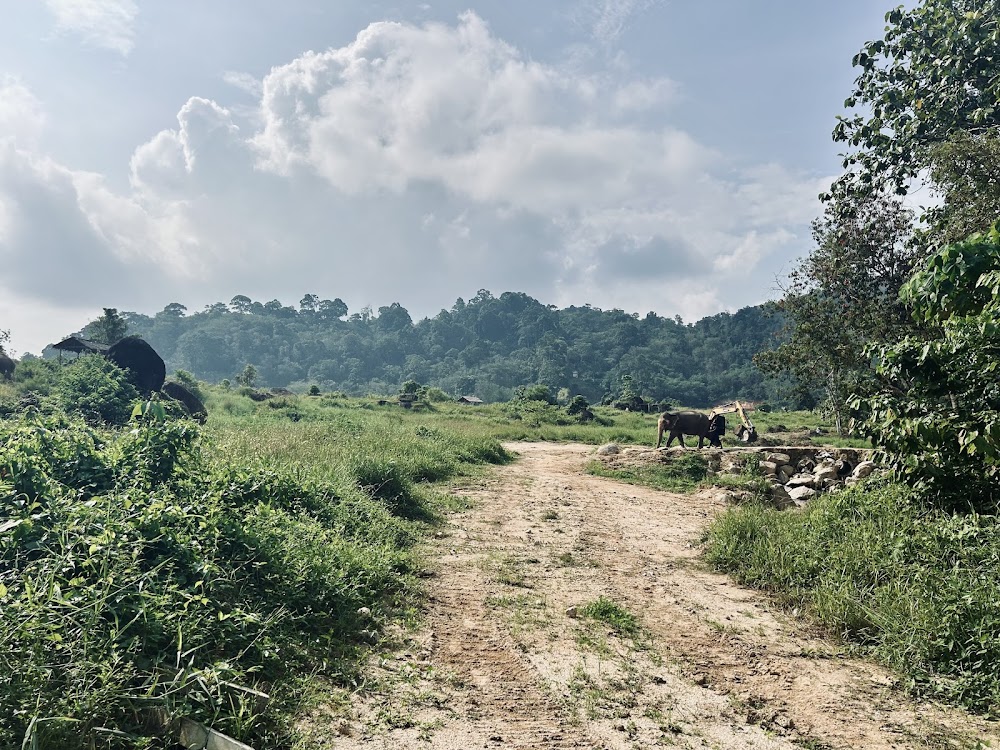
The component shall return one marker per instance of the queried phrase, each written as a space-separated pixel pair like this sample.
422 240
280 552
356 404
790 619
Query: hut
470 400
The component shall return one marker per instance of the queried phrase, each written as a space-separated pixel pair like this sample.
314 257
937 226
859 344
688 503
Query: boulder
786 472
801 495
769 467
6 367
863 469
609 449
781 459
146 369
780 497
824 472
191 403
801 480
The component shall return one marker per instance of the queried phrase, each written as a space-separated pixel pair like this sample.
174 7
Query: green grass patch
159 565
612 614
682 474
919 588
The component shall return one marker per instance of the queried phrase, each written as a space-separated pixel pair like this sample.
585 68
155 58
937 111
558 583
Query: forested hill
487 347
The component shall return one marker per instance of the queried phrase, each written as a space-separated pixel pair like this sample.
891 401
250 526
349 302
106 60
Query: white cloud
608 19
21 115
109 24
243 81
415 164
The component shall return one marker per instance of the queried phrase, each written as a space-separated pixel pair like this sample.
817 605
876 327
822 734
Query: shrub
96 388
919 588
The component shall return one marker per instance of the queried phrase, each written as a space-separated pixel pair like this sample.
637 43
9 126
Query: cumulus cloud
21 114
416 164
108 24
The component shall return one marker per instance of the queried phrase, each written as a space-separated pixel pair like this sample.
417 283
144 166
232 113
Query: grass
157 565
682 474
916 587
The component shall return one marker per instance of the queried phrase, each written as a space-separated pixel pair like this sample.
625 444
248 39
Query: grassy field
167 566
171 566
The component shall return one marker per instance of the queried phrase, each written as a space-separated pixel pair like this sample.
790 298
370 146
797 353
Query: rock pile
795 481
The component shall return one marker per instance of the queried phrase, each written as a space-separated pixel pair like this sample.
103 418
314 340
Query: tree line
488 347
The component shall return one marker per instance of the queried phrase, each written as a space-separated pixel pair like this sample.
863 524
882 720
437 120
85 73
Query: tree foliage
96 388
109 329
936 418
844 296
485 347
936 72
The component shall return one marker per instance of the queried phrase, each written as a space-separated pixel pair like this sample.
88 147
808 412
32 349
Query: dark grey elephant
683 423
6 367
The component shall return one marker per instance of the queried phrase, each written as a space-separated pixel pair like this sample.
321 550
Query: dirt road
508 659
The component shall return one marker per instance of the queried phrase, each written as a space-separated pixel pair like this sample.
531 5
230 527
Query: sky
644 155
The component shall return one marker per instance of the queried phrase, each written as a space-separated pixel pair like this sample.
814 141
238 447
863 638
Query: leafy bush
96 388
190 382
920 589
938 414
122 551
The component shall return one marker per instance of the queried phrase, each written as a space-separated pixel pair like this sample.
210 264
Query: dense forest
486 347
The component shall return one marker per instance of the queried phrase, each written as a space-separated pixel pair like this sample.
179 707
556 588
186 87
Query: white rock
769 467
863 469
825 472
801 495
781 459
611 449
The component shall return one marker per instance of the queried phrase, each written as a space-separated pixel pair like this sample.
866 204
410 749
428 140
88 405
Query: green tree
247 376
934 73
4 340
332 309
936 416
107 329
965 171
843 297
241 304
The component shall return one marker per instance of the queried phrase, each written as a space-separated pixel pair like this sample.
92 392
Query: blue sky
629 154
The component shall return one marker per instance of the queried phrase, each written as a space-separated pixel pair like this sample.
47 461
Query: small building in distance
77 345
470 400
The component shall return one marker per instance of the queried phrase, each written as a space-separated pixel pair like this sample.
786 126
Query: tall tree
936 72
844 296
107 329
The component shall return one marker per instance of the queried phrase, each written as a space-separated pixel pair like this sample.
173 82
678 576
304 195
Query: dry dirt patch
507 657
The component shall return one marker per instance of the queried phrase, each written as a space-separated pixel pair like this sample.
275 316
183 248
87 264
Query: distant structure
144 366
78 346
470 400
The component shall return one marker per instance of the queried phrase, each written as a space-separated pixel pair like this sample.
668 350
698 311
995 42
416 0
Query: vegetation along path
568 611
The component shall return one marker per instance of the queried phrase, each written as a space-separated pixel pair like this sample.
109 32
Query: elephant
685 423
6 366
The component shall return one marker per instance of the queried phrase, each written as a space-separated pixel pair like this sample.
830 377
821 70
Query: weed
621 621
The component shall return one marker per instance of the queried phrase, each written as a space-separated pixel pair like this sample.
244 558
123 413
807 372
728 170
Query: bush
190 382
96 388
919 588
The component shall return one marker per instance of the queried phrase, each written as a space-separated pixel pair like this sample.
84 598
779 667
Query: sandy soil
507 659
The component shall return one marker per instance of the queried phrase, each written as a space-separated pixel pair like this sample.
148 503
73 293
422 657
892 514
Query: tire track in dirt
502 661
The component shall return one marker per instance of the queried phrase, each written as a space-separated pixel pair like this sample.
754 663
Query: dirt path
507 659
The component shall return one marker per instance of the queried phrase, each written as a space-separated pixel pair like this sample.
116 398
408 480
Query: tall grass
141 569
919 588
